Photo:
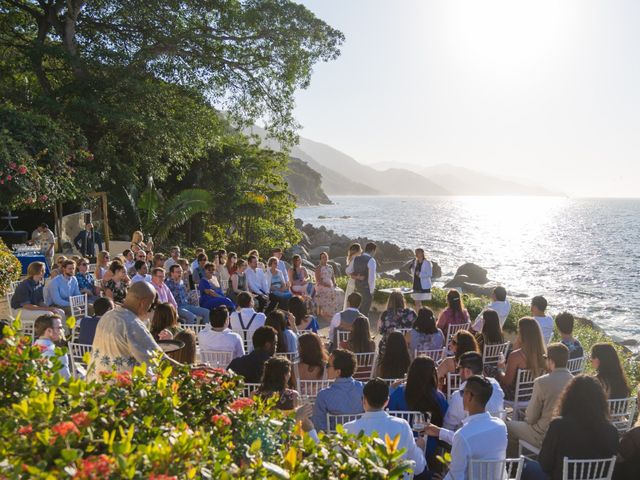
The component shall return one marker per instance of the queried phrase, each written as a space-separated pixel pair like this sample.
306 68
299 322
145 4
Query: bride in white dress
354 250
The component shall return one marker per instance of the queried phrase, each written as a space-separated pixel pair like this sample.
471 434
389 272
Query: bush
10 268
178 424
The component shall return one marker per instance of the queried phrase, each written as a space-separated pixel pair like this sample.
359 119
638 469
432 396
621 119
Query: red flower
63 429
123 379
13 165
22 170
221 420
162 476
241 403
81 419
94 468
198 373
42 348
9 178
25 430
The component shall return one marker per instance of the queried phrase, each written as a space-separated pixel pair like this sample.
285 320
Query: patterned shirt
85 281
178 291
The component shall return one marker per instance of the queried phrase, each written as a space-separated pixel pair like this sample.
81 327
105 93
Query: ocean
583 255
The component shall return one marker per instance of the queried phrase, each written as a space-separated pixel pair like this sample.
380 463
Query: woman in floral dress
395 317
329 297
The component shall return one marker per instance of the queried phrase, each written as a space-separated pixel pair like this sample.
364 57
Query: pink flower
241 404
22 170
162 476
43 198
81 419
123 379
221 420
13 165
25 430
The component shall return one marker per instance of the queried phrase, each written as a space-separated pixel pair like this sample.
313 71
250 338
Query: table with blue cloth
26 259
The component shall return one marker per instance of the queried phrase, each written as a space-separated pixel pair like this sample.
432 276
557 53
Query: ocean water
583 255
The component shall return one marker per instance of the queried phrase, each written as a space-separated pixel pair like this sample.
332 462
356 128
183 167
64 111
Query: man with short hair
88 325
141 269
482 437
173 259
46 240
218 337
199 251
344 319
86 242
257 284
129 260
538 307
282 267
375 419
470 364
251 366
546 393
564 322
158 277
499 303
198 272
246 318
64 286
363 270
186 311
48 331
344 395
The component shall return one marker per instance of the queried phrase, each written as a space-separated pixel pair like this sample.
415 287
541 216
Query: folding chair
291 356
308 389
576 365
622 412
77 351
249 389
334 420
366 365
343 336
524 390
79 306
453 384
596 469
197 328
507 469
491 353
526 450
12 313
216 359
436 355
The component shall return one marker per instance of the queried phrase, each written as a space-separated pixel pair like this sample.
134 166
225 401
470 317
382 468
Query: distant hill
305 184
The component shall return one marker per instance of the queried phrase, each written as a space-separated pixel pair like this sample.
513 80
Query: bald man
122 340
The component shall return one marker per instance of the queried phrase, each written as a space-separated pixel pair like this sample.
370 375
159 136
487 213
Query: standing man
46 240
363 271
86 242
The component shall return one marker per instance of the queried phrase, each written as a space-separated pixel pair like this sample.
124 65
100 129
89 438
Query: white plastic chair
595 469
524 390
91 268
249 389
343 336
12 313
391 381
216 359
308 389
77 351
366 365
197 328
576 365
524 447
291 356
622 413
453 384
79 306
436 355
491 353
340 419
27 328
453 329
507 469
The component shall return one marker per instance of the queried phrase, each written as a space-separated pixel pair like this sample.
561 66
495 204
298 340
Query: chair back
79 306
27 328
436 355
12 313
622 412
507 469
13 286
365 365
247 341
77 351
454 328
524 390
491 353
391 381
334 420
343 336
216 359
576 365
409 416
308 389
453 384
291 356
197 328
91 268
249 389
596 469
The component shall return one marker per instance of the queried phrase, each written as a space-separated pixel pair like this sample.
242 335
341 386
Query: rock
403 277
297 250
342 261
321 238
475 273
475 289
309 266
457 281
337 269
387 275
316 251
436 270
304 241
629 342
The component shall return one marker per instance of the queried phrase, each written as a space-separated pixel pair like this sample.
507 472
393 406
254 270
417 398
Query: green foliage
10 268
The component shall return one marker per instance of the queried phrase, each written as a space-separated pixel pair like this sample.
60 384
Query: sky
546 90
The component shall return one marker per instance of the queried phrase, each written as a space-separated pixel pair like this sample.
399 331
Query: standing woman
354 250
610 373
226 270
137 239
421 272
220 259
329 298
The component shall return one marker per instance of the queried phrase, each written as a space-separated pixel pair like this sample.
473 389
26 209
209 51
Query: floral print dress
328 299
392 320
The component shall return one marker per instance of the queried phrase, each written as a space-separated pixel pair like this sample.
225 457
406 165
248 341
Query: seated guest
424 334
397 315
344 395
174 255
628 463
199 251
455 313
211 295
186 311
360 339
303 320
219 337
375 419
102 264
499 304
313 357
141 268
610 373
470 364
580 431
491 332
546 392
28 299
564 322
528 354
129 259
538 307
197 271
88 324
158 276
257 283
64 286
57 267
48 331
344 319
299 277
395 360
461 343
238 281
275 378
187 354
115 288
481 437
287 340
282 266
246 318
420 394
251 366
164 323
139 256
277 286
157 261
86 282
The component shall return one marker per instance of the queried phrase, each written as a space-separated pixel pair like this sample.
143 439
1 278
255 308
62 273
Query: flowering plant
10 268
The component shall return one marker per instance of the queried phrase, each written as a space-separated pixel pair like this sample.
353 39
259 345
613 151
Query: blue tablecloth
25 260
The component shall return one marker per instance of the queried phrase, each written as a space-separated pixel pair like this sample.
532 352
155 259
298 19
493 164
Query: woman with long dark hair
278 320
304 321
396 359
606 362
462 342
313 357
455 313
491 333
425 335
275 377
420 393
360 340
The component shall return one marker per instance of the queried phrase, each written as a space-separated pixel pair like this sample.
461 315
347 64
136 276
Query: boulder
342 261
309 266
337 268
316 251
297 250
304 241
387 275
474 273
475 289
403 277
457 281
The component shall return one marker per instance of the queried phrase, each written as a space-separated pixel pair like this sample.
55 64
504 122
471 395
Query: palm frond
180 208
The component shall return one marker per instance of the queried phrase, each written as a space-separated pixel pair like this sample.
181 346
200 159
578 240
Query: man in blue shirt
88 324
64 286
344 395
186 311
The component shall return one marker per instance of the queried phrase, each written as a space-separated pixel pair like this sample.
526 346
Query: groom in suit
86 241
363 271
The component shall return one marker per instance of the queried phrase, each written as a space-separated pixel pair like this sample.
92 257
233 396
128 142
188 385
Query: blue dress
207 301
397 401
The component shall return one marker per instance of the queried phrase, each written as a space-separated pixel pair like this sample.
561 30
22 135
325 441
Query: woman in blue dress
211 295
277 286
304 321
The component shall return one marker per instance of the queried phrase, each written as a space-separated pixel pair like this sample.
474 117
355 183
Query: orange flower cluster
94 468
221 420
81 419
241 404
63 429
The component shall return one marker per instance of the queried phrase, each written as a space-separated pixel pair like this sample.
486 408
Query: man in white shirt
375 419
246 318
344 319
218 337
257 283
470 364
141 275
538 307
499 303
173 259
48 330
482 437
363 270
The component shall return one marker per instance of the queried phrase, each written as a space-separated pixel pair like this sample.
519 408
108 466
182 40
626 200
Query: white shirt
141 278
194 265
546 325
335 321
246 313
283 269
224 341
292 340
49 350
456 413
168 263
382 423
371 265
482 437
256 282
501 308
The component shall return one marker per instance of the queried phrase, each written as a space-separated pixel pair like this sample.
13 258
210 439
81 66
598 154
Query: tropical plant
10 268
